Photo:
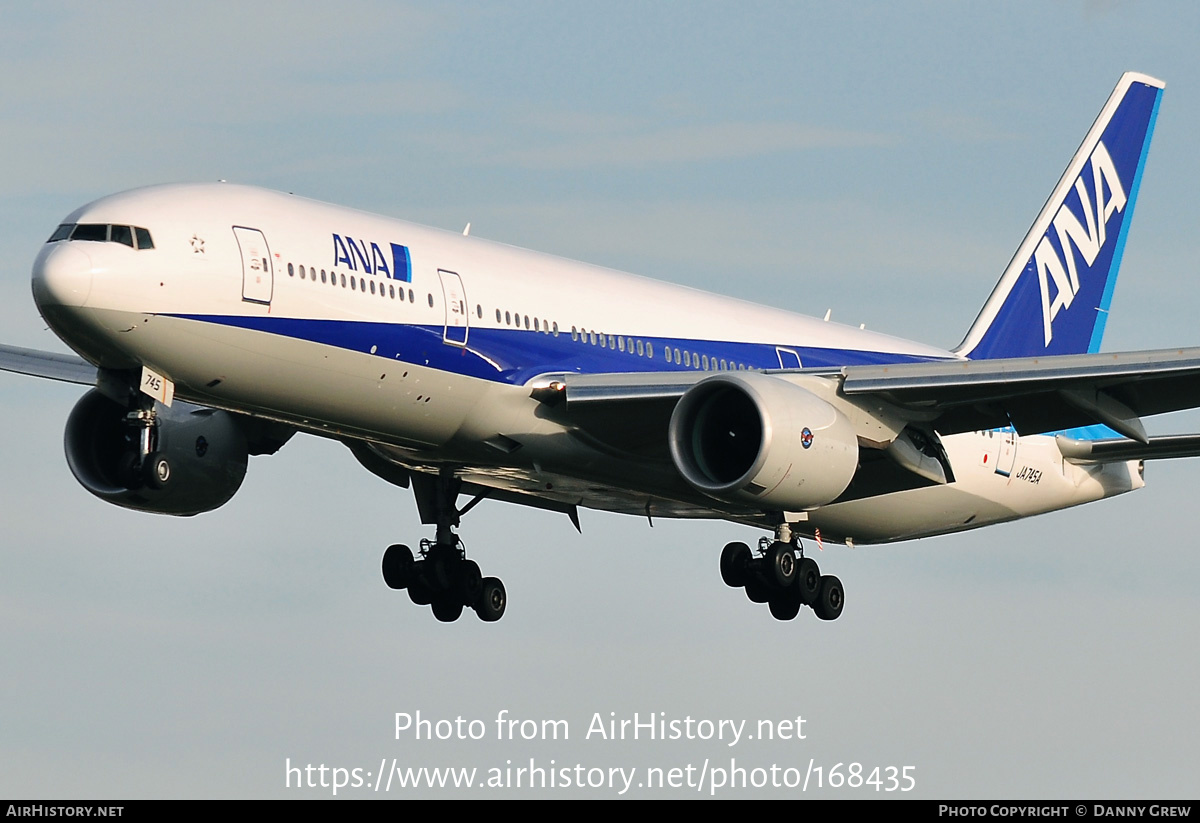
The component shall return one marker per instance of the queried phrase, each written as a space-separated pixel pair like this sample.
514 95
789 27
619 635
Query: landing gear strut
442 577
143 465
782 577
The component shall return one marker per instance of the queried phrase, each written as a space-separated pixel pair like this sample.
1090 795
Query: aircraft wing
1039 394
1032 394
65 367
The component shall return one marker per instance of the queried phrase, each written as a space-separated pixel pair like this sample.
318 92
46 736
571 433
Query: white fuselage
426 344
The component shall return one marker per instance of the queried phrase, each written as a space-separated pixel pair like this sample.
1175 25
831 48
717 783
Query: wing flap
588 389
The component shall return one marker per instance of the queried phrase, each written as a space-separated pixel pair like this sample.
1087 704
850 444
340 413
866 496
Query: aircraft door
1008 451
788 358
457 319
258 275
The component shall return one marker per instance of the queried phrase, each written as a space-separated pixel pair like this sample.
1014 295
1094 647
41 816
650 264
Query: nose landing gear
142 465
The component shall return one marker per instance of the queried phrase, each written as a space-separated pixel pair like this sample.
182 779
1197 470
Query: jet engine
752 438
205 453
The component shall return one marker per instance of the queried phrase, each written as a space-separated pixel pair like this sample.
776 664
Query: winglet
1054 296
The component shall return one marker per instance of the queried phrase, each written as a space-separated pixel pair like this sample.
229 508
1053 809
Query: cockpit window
97 232
61 233
121 234
132 236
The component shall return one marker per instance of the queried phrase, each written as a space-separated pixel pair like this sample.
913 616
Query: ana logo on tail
1054 295
1097 209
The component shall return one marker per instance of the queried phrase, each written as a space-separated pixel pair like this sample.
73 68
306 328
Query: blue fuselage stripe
515 356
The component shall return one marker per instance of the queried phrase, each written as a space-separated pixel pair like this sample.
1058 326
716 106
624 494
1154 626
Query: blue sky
881 161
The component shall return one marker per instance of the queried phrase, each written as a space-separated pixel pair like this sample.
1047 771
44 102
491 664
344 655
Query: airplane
215 321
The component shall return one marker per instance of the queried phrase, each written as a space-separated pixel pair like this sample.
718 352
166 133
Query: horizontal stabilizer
1119 449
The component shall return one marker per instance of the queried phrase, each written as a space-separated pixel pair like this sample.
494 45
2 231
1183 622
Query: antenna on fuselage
467 230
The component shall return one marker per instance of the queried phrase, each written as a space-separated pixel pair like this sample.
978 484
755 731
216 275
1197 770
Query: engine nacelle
752 438
206 450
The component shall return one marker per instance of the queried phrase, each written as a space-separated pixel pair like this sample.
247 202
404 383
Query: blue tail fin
1054 296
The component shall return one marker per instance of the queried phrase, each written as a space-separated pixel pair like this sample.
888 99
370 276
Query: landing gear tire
808 580
418 590
447 609
156 471
492 600
831 598
781 564
786 605
397 566
442 567
470 582
757 591
735 560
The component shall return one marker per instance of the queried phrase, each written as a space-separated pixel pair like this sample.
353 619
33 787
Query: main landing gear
442 577
782 577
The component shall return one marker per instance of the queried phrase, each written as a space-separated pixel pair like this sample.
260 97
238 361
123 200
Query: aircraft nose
62 276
